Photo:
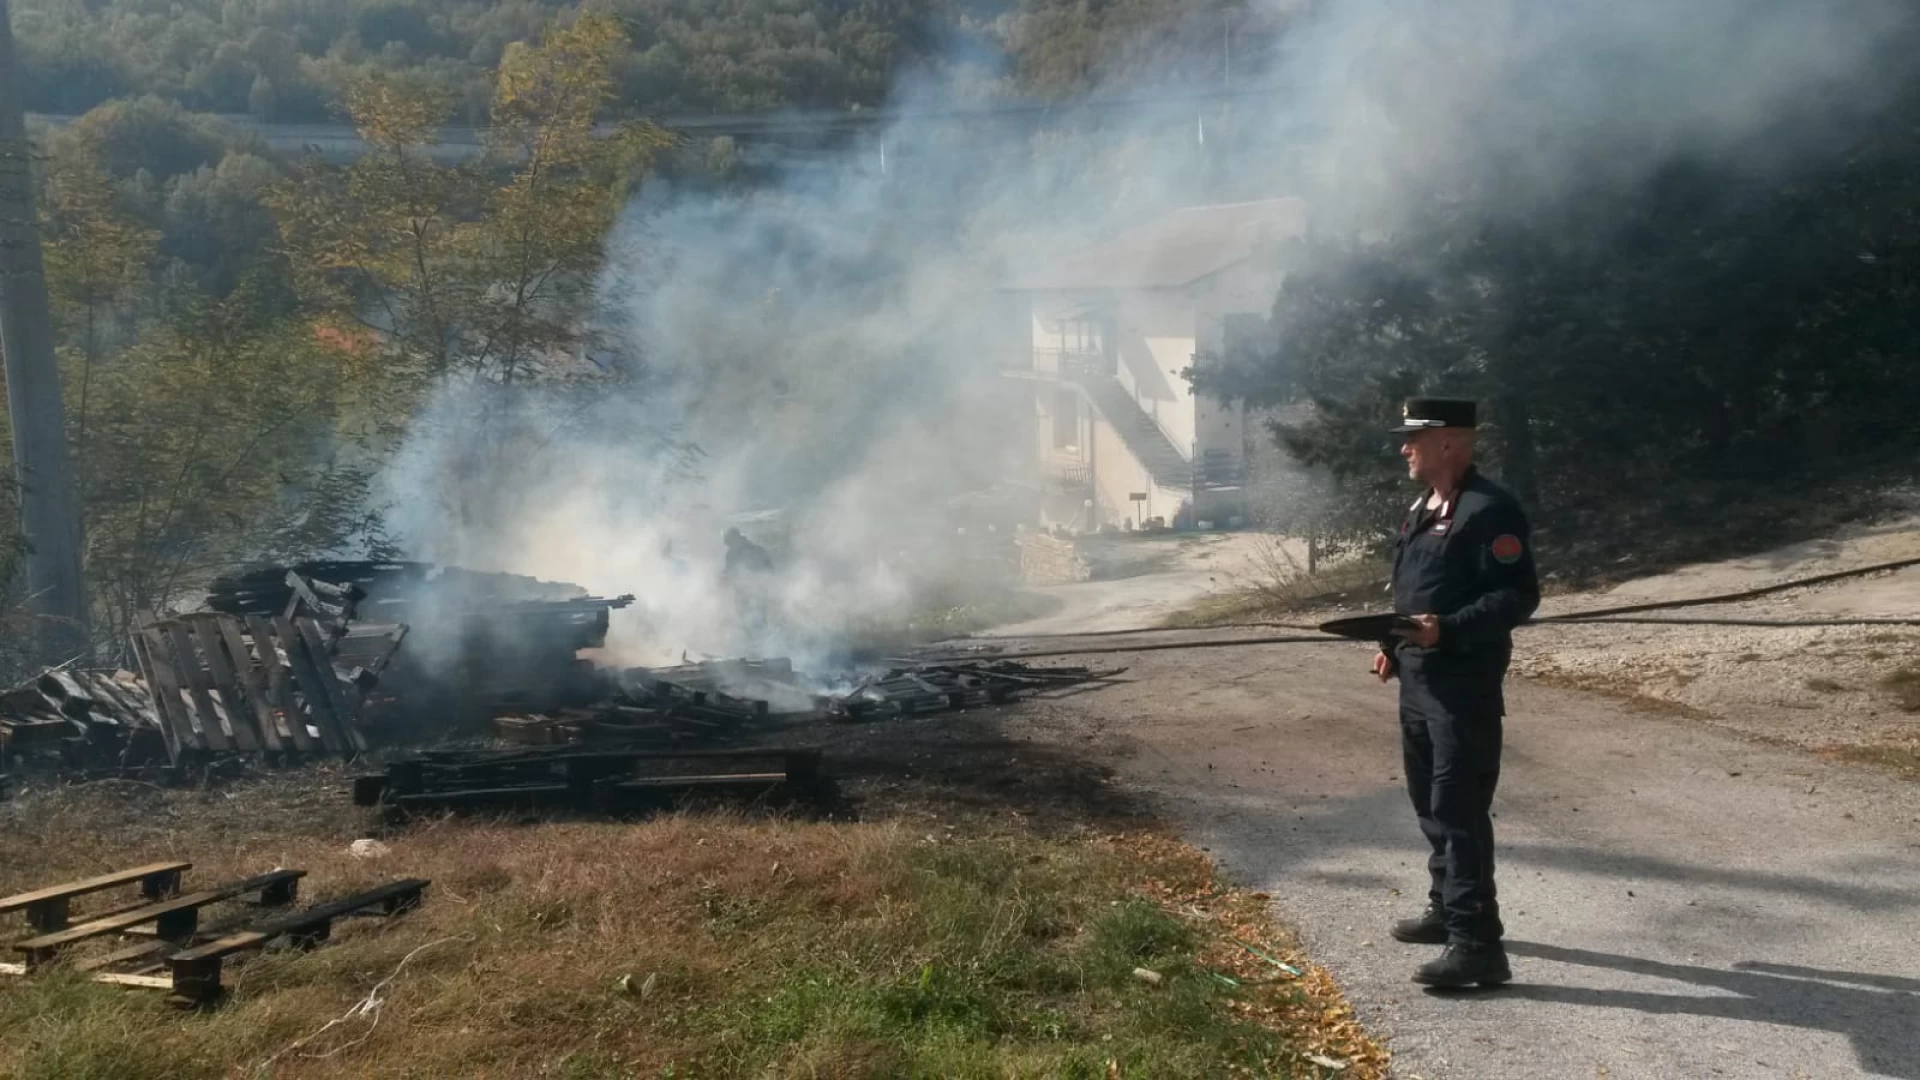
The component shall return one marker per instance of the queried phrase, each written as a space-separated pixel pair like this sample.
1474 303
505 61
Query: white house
1112 329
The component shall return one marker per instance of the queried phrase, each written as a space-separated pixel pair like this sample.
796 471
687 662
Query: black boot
1466 965
1430 928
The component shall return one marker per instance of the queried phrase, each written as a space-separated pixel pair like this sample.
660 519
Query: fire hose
1379 627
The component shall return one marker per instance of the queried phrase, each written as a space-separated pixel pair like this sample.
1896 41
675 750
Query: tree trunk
49 509
1516 439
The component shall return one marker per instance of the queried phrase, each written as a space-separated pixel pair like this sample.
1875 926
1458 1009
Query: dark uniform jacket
1471 563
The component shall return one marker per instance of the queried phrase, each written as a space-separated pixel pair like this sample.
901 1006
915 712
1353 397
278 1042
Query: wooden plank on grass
227 661
196 971
46 908
279 687
343 707
651 783
306 678
176 918
144 982
187 669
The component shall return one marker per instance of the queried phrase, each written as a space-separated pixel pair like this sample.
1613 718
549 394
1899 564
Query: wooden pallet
174 918
48 909
605 780
250 685
166 931
194 974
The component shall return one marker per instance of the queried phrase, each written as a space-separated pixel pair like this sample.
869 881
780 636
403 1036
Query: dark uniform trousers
1469 562
1450 743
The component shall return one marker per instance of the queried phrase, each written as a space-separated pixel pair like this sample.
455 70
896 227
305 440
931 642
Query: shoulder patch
1507 548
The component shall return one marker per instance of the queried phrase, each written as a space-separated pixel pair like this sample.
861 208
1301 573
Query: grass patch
1904 760
702 947
1279 584
1904 685
948 614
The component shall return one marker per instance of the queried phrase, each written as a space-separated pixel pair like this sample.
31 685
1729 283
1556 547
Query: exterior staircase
1145 441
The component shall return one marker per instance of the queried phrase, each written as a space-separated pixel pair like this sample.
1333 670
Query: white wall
1117 475
1156 336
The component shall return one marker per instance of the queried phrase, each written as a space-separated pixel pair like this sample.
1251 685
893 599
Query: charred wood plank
344 710
308 682
279 686
232 667
156 661
187 668
196 971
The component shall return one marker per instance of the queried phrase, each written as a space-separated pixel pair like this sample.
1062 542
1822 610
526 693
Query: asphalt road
1679 902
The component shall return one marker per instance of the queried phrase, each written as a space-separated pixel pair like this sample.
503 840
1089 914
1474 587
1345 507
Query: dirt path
1141 580
1681 902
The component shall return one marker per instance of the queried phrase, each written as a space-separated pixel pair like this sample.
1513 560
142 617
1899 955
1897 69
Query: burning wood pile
307 661
729 700
330 659
904 691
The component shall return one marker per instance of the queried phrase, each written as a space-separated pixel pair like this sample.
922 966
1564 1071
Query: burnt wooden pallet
254 685
602 780
108 714
195 972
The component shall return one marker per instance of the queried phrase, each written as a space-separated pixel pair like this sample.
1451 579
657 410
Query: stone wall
1045 560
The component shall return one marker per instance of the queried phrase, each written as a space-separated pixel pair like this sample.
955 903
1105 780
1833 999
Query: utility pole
49 507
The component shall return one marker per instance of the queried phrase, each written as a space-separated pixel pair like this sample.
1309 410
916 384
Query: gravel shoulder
1833 689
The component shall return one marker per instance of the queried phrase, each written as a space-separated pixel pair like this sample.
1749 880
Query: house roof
1174 250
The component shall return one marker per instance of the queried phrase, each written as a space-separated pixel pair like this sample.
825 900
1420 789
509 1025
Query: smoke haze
822 351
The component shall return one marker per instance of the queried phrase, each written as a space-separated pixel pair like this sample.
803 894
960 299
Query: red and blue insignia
1507 548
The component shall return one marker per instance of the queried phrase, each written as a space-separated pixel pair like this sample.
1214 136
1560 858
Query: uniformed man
1463 574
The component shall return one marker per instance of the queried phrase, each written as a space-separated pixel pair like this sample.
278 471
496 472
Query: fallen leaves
1286 992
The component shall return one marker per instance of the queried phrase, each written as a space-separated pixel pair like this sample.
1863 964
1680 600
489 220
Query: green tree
215 444
475 279
97 255
1718 322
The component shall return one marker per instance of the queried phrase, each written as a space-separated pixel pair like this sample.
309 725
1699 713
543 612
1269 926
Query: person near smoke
748 575
1464 577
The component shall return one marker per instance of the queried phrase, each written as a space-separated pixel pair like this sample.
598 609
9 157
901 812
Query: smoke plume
818 355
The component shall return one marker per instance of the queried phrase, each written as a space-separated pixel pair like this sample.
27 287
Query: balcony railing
1072 476
1070 363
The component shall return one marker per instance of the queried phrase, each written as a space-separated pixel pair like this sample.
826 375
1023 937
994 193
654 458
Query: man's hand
1425 632
1383 665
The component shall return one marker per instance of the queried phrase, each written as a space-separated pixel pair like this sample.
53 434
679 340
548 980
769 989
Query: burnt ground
977 763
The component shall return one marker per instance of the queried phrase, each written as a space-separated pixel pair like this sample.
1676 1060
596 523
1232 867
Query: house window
1087 345
1066 419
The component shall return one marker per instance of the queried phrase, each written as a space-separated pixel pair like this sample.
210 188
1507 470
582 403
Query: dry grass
1901 759
1276 582
691 947
1904 685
